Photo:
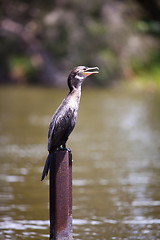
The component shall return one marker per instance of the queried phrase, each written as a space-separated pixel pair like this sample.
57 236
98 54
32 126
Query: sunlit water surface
116 167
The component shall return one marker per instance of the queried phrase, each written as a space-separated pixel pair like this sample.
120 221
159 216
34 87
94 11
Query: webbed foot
63 147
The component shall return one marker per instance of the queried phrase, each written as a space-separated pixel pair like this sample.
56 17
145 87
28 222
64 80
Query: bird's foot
60 148
67 149
64 148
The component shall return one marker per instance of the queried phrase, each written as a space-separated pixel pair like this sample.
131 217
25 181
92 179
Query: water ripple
36 150
24 224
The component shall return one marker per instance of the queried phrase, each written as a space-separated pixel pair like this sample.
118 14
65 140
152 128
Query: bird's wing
60 128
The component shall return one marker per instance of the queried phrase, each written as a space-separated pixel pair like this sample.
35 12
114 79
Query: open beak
90 70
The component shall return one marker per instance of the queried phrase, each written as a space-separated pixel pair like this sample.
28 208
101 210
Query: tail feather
47 166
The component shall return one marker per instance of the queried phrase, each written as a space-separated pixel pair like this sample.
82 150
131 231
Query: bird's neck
75 94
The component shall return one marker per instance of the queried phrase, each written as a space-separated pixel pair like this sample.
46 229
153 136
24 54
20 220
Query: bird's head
78 74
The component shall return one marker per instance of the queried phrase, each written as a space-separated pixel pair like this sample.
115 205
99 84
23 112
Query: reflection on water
116 167
23 151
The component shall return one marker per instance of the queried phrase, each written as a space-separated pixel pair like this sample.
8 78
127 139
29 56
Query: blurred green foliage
41 41
22 69
148 73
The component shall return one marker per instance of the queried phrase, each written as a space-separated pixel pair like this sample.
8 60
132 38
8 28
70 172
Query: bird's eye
84 68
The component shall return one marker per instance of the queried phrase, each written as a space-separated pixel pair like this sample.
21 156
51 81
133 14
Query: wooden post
61 196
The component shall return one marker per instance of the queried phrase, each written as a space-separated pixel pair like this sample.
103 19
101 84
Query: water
116 168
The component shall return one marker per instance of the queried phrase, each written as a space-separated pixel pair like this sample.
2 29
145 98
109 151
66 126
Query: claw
62 148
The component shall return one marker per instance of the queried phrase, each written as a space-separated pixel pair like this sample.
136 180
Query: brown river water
116 164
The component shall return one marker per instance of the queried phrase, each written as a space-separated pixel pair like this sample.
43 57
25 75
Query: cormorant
64 119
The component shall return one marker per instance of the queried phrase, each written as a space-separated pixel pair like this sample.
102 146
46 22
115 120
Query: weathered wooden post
61 196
